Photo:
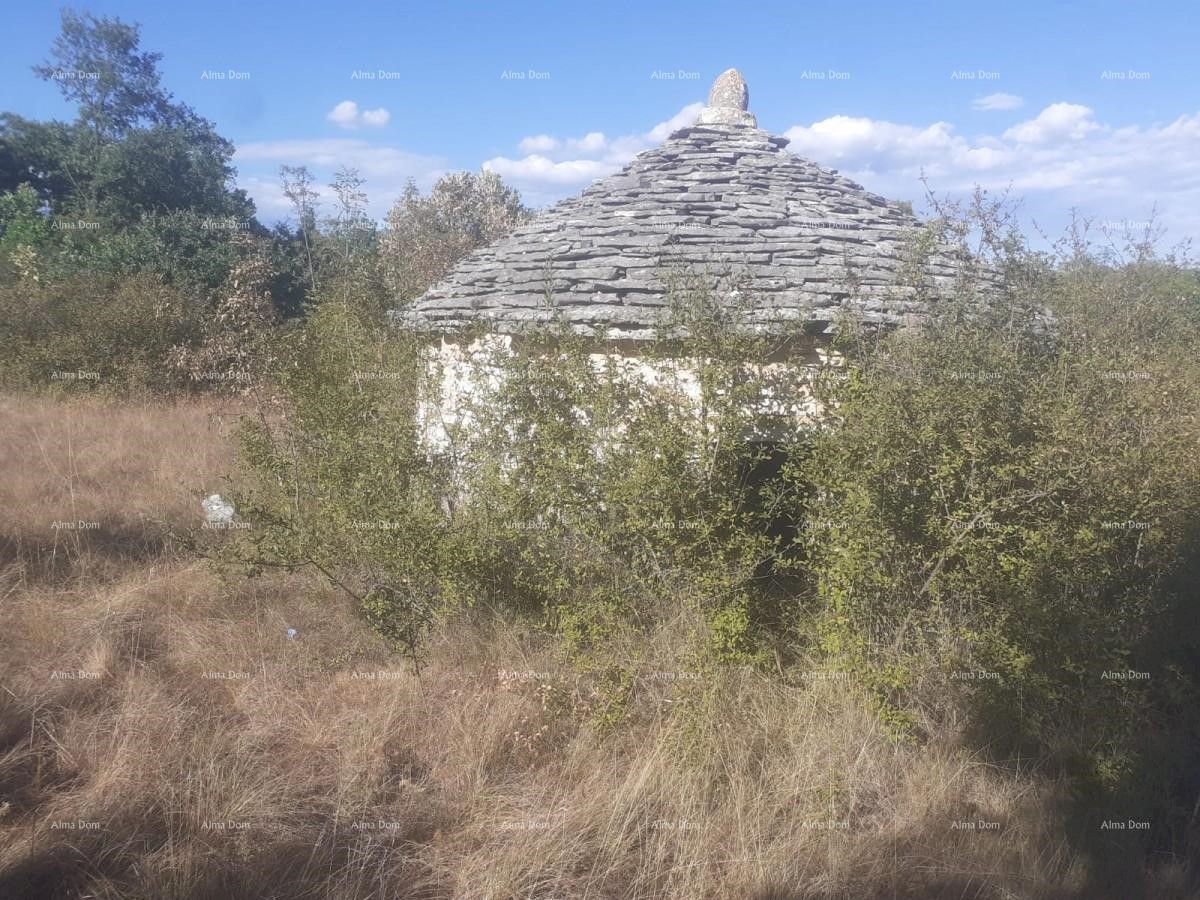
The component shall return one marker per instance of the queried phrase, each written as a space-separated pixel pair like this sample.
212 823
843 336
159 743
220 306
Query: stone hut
796 245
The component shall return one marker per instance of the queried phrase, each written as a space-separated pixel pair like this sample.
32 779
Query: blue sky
1089 105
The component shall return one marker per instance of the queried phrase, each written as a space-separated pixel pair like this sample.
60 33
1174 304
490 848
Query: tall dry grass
91 485
162 736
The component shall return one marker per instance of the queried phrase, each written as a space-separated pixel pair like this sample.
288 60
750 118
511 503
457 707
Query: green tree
133 150
97 65
181 166
40 154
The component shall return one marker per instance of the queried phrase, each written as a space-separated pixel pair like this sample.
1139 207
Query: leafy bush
586 491
191 250
90 332
1000 513
343 484
21 221
235 346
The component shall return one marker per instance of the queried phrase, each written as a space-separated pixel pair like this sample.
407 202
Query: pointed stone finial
729 91
728 101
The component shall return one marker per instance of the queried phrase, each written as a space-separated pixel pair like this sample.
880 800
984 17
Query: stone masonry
793 242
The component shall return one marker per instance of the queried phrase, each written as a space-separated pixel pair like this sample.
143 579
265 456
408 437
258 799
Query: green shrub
579 492
997 501
92 332
235 346
343 485
21 221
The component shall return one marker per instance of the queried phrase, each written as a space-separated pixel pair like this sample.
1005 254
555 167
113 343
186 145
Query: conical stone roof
721 199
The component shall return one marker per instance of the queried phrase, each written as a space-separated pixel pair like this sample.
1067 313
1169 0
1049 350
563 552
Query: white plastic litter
217 511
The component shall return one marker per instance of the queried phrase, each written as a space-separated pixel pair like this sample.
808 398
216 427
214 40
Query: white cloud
1058 160
1057 121
592 142
686 116
376 117
536 168
539 143
372 160
344 114
1000 102
551 165
347 115
842 137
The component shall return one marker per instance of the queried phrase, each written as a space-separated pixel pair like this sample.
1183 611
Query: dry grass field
163 737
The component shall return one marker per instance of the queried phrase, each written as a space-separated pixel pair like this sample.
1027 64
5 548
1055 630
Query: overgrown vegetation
1004 523
986 528
995 522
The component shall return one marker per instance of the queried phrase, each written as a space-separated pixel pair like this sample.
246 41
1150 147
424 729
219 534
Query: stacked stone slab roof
787 240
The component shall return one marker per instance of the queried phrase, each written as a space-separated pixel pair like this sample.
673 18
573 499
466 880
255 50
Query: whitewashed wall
461 373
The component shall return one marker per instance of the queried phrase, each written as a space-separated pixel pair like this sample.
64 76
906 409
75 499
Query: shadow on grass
295 869
1133 808
1143 828
93 548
